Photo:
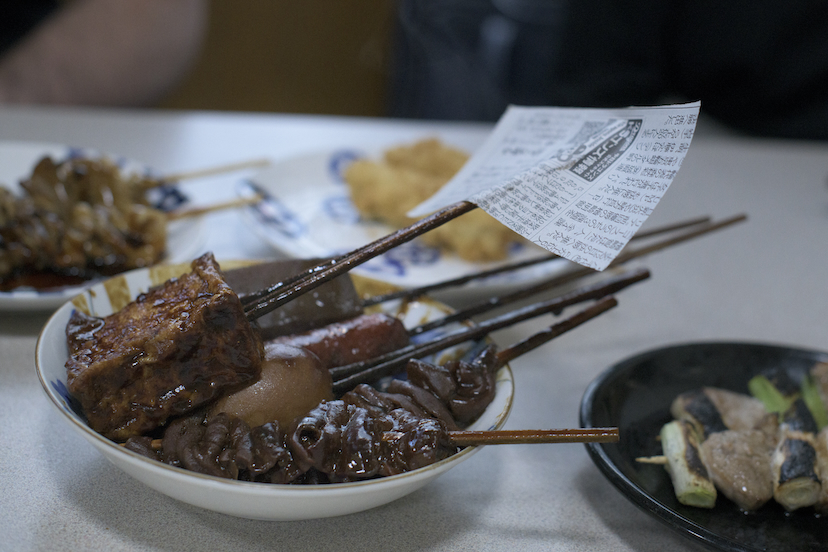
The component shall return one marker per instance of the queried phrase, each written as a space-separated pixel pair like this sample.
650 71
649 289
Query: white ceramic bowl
238 498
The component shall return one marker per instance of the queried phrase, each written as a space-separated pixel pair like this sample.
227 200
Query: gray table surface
763 280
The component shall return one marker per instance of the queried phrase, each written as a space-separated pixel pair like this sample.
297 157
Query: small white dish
17 159
250 500
308 213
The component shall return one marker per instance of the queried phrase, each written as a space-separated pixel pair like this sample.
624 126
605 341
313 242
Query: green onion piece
814 402
691 482
764 390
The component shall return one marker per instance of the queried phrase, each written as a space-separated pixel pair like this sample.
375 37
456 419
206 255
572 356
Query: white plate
309 214
240 498
17 159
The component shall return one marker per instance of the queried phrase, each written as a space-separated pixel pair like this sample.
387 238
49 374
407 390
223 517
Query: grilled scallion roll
691 481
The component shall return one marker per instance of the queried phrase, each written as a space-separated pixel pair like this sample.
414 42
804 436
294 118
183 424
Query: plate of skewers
724 442
188 379
71 216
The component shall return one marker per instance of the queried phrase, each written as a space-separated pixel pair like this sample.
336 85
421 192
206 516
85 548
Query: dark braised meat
347 442
331 302
352 340
466 388
174 348
370 433
365 434
227 447
224 447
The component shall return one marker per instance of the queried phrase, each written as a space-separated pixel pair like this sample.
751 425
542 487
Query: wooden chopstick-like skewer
625 256
468 333
267 300
198 211
210 171
595 291
412 293
534 436
550 306
343 382
469 438
276 296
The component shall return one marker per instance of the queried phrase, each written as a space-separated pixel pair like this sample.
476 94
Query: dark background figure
758 66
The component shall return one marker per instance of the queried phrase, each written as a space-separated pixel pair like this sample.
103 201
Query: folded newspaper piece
577 182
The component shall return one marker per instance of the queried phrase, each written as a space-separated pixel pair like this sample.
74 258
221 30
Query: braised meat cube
174 348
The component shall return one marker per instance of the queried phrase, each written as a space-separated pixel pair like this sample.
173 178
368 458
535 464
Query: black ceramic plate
635 395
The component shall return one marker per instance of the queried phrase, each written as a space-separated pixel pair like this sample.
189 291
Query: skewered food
711 410
739 463
386 190
77 219
754 449
367 433
292 382
684 464
351 340
174 348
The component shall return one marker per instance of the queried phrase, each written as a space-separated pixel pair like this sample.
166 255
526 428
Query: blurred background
757 66
327 57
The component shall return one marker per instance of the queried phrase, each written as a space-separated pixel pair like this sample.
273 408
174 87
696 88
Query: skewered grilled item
691 481
821 447
775 388
754 454
79 218
815 393
331 302
796 482
174 348
367 433
358 338
739 464
711 410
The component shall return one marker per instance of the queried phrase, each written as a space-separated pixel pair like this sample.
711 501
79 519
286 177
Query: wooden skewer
281 293
344 382
417 350
658 460
267 300
210 171
198 211
554 306
456 282
515 437
595 291
534 436
581 272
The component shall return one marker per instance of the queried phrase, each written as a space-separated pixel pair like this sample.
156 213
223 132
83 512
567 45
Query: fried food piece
174 348
407 176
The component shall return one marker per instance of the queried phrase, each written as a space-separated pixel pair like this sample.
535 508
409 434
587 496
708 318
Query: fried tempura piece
407 176
174 348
